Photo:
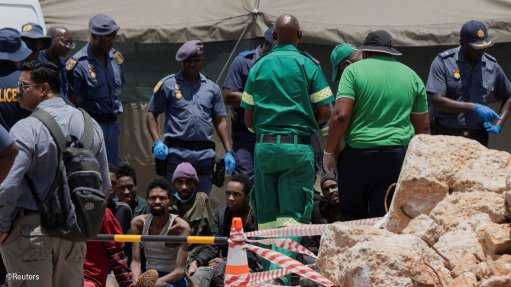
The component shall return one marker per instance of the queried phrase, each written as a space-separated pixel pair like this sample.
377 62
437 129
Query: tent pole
236 46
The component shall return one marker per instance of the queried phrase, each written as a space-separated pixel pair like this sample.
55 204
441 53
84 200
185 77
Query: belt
192 145
283 139
103 118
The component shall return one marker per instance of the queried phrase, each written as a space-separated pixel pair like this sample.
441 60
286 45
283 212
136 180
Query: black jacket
221 227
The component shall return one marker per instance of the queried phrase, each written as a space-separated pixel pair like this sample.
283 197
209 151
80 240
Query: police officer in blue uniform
62 43
243 139
192 105
12 51
462 81
32 34
95 75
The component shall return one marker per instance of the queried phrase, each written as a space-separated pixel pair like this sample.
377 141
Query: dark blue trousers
243 146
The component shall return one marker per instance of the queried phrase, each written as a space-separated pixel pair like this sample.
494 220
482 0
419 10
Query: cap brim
46 40
380 49
17 56
105 32
481 45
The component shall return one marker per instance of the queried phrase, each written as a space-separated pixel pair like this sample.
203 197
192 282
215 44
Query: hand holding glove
160 150
329 163
485 113
492 129
230 163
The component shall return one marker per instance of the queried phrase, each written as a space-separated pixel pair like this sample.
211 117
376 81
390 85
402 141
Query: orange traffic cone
236 269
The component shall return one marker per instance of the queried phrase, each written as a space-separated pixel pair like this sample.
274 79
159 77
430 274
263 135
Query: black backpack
72 210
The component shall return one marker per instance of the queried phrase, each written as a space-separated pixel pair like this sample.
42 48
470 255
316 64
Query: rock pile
449 223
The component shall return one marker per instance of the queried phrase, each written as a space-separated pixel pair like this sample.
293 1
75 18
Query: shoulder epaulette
310 57
208 78
448 53
160 82
117 56
70 64
490 57
247 53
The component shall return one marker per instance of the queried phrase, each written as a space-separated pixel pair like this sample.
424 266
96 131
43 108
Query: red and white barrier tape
259 278
307 229
290 264
236 280
380 223
287 244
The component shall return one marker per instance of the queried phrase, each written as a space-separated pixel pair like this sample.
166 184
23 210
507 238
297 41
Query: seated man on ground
329 206
191 205
208 268
126 190
105 256
120 209
168 259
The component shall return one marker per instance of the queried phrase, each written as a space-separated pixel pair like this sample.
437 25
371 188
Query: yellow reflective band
127 237
200 239
267 225
286 221
321 95
248 99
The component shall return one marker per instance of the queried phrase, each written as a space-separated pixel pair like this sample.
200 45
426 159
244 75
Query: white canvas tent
412 22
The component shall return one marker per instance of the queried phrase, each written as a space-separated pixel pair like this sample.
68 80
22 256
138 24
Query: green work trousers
283 190
284 180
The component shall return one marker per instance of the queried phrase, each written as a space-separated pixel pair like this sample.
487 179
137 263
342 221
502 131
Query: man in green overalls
286 96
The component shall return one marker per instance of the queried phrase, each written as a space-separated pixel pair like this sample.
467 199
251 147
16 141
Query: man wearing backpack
36 258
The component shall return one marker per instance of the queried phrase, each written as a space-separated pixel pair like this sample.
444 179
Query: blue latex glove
230 163
485 113
160 150
492 129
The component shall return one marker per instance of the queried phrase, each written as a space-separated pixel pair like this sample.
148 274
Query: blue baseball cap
11 46
35 31
189 49
476 35
268 35
102 25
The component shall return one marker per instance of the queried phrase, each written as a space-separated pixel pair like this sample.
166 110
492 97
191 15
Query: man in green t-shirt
286 95
380 105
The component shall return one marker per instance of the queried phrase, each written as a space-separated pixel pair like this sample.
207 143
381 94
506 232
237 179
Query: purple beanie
185 170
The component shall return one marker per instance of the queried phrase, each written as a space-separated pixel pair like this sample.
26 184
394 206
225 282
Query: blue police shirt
452 76
43 57
239 68
189 109
235 81
97 88
10 110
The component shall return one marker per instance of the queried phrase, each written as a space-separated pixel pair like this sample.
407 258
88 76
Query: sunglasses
66 42
22 86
